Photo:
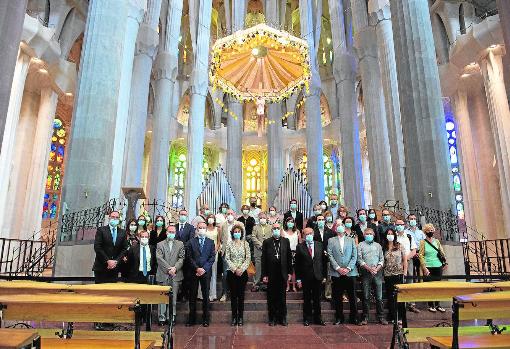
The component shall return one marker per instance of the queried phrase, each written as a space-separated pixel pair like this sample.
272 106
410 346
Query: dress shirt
370 253
407 245
293 214
114 234
341 239
148 256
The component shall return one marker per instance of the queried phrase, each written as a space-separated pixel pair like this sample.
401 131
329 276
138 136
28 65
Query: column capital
491 64
136 9
147 41
379 10
366 43
165 66
345 66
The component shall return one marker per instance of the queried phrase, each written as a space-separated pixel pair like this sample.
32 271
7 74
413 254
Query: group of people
323 256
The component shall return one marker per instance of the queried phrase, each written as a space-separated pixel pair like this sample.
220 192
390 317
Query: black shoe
190 323
272 323
284 322
162 323
320 323
205 323
338 321
353 321
98 326
240 321
234 321
306 323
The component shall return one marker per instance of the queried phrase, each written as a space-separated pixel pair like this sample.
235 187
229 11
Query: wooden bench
157 337
17 338
57 343
486 341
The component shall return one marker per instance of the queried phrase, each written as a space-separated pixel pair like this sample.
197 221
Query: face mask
223 210
230 218
290 225
320 224
272 213
263 221
237 235
362 218
371 215
207 212
114 222
170 236
348 225
329 219
276 233
340 229
210 221
183 219
141 222
253 204
400 228
333 203
369 238
293 206
390 237
430 234
317 212
201 232
159 223
144 241
412 222
132 228
245 212
386 218
309 238
323 207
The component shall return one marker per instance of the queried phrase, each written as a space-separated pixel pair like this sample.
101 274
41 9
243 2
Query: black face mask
430 234
253 204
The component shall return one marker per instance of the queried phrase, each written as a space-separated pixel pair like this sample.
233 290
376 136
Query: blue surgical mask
159 223
309 238
340 229
329 219
183 218
386 218
276 233
170 236
317 212
114 222
207 212
223 210
412 222
290 225
333 203
320 224
237 235
293 206
362 218
348 225
369 238
141 222
371 215
400 228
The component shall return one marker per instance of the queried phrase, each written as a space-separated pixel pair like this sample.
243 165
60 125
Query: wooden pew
49 333
486 341
16 338
57 343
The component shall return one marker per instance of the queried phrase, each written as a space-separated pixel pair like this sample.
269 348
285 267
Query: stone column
375 113
274 151
90 155
345 71
504 22
311 14
31 211
12 15
135 15
11 124
469 168
499 112
200 33
381 20
423 124
166 73
145 51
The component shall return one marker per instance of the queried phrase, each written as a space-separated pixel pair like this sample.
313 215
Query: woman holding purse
432 261
238 258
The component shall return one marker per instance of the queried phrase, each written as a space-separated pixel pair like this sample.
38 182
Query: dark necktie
310 250
201 243
114 235
144 261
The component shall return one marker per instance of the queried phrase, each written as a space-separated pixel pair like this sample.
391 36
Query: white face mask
230 218
263 221
201 232
390 237
272 213
144 241
210 221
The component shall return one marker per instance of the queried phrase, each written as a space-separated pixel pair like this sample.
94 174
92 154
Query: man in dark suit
312 221
276 271
321 232
142 260
310 269
185 231
200 256
110 245
294 213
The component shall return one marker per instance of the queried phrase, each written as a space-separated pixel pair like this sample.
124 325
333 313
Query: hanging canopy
260 63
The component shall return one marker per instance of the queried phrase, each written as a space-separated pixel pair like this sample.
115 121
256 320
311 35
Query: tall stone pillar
504 22
274 151
89 164
311 14
375 114
423 123
499 112
166 73
12 14
145 51
381 19
135 15
31 210
344 71
11 124
235 126
200 35
469 168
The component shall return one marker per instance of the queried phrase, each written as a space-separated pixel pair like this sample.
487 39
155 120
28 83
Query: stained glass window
331 182
451 134
55 171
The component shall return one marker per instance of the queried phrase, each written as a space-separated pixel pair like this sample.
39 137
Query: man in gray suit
343 255
170 256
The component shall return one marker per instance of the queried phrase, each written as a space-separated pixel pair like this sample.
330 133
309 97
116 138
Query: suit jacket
260 233
249 223
328 234
298 220
310 269
380 233
269 258
345 258
134 255
154 237
197 259
185 234
311 222
359 232
105 248
168 259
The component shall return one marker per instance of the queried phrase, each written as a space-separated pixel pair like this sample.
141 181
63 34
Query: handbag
440 254
251 268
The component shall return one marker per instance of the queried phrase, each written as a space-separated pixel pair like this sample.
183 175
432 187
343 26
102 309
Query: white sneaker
441 309
432 309
223 298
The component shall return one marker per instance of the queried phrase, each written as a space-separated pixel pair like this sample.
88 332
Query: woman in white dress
292 233
212 233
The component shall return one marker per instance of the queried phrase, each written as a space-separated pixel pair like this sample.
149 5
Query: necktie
114 235
310 249
144 260
201 241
